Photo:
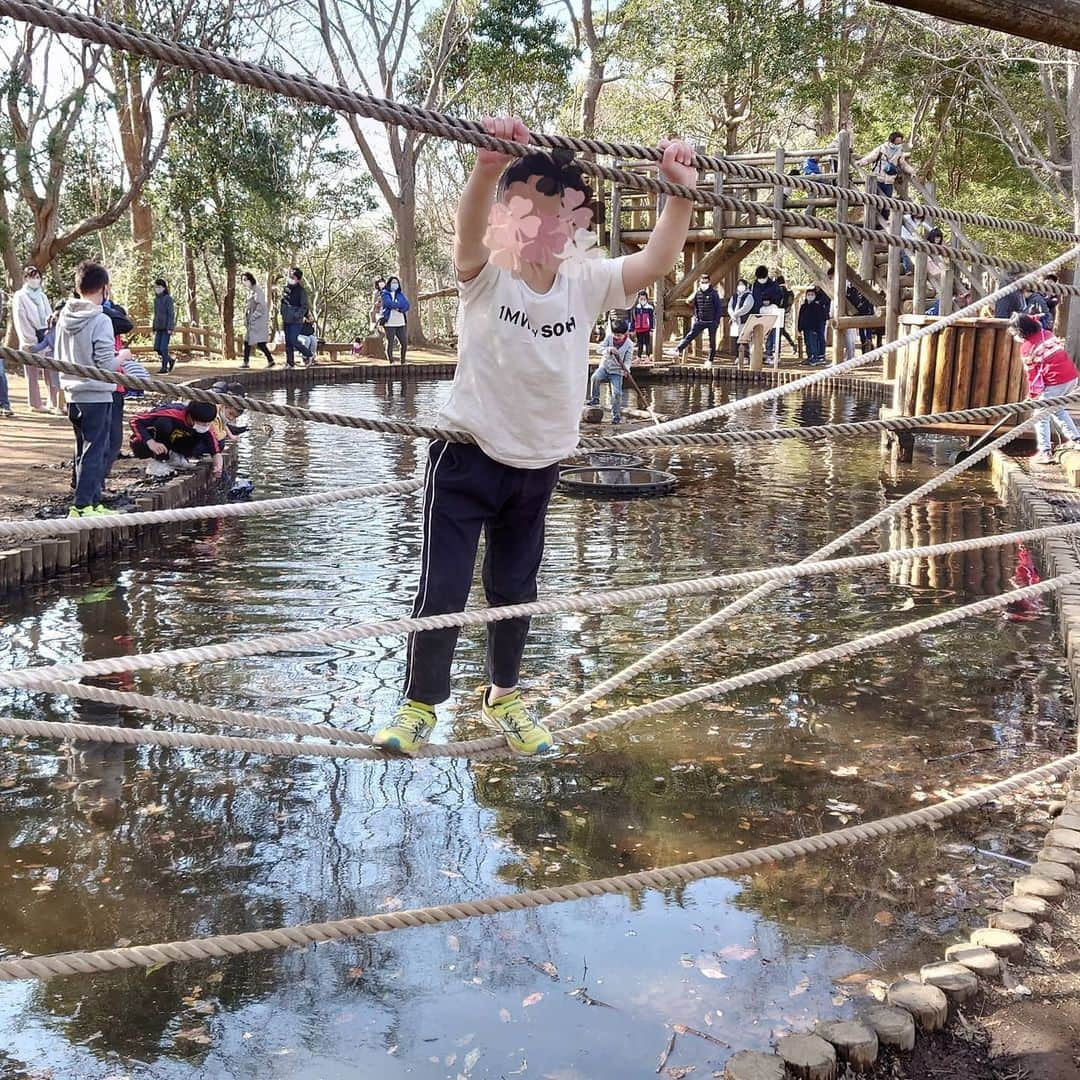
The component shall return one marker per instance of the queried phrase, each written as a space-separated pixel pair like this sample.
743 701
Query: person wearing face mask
887 162
813 317
739 308
376 303
392 319
256 321
164 324
31 311
295 307
643 315
170 435
708 310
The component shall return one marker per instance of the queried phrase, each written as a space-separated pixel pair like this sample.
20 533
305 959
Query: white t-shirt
523 360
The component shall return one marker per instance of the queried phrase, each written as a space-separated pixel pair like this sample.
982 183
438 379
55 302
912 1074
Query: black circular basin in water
600 459
620 483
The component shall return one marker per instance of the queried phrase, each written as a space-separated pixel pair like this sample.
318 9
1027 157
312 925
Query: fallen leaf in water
244 845
532 999
549 969
845 770
471 1058
504 1015
215 977
800 987
453 943
449 873
711 971
42 888
355 972
736 952
152 808
856 978
677 1072
392 903
884 918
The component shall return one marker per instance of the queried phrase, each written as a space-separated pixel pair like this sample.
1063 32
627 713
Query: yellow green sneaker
410 730
524 734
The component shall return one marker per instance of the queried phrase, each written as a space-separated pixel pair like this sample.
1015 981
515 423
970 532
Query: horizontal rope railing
23 529
192 58
599 600
401 427
484 748
89 962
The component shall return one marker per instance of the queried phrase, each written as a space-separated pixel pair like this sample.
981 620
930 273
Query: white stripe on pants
1062 420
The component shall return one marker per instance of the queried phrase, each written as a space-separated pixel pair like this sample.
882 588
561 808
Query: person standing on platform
84 335
708 311
1050 374
256 321
643 315
395 306
887 163
295 307
164 324
813 318
30 312
616 354
740 307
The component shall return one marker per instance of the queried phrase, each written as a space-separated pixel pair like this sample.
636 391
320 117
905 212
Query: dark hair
555 172
1051 277
296 272
742 281
202 412
380 281
779 279
247 275
896 135
161 281
1023 326
619 326
31 271
643 292
90 277
761 272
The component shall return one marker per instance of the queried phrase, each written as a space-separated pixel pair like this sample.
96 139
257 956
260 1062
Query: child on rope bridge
531 286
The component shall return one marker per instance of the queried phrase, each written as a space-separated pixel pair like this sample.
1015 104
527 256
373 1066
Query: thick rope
805 381
679 643
120 36
600 600
589 602
401 427
740 862
482 748
18 528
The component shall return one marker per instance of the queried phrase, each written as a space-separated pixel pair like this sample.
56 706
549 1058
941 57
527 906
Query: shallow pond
102 844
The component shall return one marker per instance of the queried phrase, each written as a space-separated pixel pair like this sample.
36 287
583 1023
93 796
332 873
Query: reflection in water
101 845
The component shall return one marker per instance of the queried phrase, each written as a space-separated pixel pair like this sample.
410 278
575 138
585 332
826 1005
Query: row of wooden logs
925 1000
974 363
33 561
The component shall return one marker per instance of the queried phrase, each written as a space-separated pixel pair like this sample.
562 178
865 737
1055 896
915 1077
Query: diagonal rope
285 937
679 643
303 88
483 748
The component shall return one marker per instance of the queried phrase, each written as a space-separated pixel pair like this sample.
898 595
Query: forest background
162 173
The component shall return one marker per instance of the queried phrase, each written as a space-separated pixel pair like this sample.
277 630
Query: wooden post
892 294
778 198
757 347
866 251
659 334
945 290
718 213
616 215
843 179
918 298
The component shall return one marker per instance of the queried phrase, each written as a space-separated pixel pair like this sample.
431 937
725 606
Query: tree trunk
594 83
191 294
1072 112
405 230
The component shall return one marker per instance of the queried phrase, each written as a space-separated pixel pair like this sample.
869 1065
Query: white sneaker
178 461
158 470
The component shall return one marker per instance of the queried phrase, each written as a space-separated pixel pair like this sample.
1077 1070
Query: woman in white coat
739 307
31 311
256 321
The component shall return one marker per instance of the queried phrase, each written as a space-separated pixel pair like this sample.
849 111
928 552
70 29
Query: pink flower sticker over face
544 230
579 251
511 225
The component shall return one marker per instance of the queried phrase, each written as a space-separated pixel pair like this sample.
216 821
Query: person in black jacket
813 317
295 307
708 310
173 433
768 300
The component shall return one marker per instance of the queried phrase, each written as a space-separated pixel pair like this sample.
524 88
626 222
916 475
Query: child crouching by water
1050 374
529 298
